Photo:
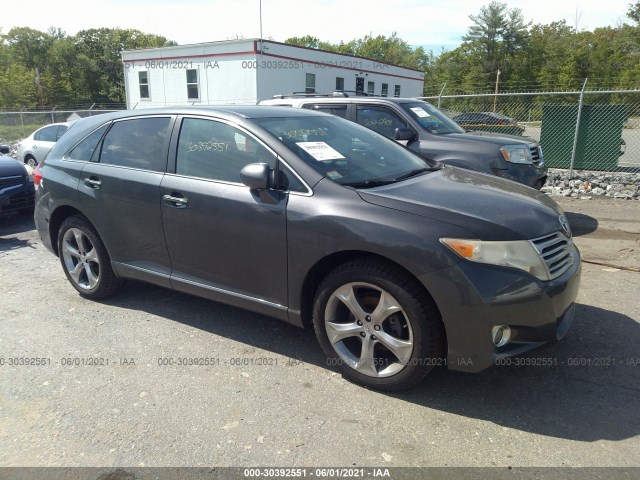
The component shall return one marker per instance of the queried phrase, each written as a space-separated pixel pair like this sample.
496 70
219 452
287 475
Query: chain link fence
590 139
591 130
18 124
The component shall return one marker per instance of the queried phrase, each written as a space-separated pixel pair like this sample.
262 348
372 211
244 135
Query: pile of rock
586 184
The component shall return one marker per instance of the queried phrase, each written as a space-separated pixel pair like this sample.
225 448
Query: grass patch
14 133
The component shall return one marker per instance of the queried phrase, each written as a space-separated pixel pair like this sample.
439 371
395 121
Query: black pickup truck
426 130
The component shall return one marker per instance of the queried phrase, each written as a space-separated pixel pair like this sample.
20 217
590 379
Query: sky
426 23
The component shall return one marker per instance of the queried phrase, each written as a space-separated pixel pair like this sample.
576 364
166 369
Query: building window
339 84
193 92
385 89
396 91
143 80
371 86
310 83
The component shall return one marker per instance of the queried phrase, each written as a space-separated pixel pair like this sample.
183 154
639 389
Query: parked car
426 130
400 264
35 147
489 122
16 186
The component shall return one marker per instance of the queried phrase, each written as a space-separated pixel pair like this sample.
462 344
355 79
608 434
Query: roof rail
337 93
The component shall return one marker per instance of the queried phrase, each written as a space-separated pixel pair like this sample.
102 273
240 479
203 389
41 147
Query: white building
239 71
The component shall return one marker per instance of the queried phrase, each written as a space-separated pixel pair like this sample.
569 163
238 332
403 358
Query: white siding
236 72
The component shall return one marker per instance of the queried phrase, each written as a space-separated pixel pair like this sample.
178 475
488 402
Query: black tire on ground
417 325
85 260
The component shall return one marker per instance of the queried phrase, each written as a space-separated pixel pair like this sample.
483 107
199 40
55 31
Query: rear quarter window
85 149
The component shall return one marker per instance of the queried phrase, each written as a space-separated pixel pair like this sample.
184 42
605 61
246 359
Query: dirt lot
269 399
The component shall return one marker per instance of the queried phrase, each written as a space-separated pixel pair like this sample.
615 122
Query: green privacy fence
599 143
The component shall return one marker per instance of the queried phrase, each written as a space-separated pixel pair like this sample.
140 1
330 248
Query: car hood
491 208
493 138
10 167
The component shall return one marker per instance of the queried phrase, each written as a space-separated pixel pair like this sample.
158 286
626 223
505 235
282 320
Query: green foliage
390 49
634 12
537 57
52 68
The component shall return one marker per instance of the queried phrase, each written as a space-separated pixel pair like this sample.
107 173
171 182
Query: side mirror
255 176
404 134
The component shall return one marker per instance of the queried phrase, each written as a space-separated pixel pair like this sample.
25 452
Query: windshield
345 152
431 119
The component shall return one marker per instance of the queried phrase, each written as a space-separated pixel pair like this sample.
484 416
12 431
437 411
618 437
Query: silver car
35 147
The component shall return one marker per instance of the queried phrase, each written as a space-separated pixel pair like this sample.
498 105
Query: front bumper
473 298
530 175
16 199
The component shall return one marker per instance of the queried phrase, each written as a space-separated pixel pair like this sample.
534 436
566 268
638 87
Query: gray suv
395 261
426 130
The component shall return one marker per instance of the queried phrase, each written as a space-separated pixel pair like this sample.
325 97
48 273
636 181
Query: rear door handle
175 201
92 182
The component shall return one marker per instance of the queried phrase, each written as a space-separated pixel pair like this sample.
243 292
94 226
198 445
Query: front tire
377 326
85 260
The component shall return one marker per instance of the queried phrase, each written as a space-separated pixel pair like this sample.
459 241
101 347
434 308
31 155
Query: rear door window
338 110
48 134
137 143
379 119
60 131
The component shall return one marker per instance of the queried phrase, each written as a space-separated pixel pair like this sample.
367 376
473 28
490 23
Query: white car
35 147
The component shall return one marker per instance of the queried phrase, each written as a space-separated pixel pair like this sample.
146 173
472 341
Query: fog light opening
501 335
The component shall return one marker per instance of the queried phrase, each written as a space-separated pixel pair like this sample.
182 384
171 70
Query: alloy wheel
369 329
81 259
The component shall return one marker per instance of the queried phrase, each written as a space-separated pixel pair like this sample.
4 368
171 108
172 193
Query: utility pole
495 98
260 27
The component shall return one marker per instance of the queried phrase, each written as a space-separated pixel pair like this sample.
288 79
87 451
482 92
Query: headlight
517 254
29 172
517 154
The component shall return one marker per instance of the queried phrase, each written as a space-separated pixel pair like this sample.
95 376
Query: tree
487 30
495 37
634 12
98 52
311 42
383 49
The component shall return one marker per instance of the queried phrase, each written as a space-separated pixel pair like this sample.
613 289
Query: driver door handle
92 182
175 201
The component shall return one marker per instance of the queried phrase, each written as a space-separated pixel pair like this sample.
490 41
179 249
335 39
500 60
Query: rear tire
377 326
31 161
85 260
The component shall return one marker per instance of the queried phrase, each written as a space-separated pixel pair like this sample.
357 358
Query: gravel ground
269 398
586 184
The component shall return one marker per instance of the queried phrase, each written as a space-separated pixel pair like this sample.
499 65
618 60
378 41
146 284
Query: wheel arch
325 265
58 216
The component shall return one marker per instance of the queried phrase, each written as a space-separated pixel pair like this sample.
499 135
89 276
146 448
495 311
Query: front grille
556 251
11 181
536 154
18 202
